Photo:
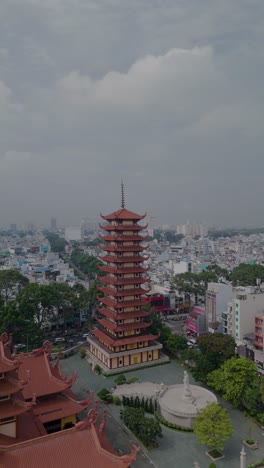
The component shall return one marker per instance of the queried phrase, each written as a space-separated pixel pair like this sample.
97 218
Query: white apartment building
73 234
239 319
182 267
217 297
192 230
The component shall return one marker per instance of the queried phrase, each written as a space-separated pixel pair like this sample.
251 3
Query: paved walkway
176 449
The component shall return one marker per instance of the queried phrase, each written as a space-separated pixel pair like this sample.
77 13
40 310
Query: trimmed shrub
120 380
97 369
82 353
132 379
212 465
116 400
105 395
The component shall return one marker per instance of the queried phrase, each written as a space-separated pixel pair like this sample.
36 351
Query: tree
234 379
215 349
146 428
176 344
23 327
247 275
57 243
212 426
10 282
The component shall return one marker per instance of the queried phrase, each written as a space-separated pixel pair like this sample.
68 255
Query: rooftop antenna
122 195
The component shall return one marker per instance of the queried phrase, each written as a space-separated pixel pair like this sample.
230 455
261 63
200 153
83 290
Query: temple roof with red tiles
122 316
59 406
13 407
121 304
83 446
123 292
7 363
125 327
117 259
124 238
122 341
124 270
123 227
44 379
120 281
123 214
9 386
124 248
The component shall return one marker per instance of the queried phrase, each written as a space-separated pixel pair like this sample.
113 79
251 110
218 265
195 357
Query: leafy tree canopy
234 378
246 275
9 280
212 426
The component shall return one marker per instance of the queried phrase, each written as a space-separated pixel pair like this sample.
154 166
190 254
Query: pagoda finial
122 194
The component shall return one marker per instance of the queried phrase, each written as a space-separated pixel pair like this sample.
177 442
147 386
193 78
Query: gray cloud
166 94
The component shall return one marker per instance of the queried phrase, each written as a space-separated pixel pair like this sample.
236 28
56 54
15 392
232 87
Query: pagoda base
163 359
115 363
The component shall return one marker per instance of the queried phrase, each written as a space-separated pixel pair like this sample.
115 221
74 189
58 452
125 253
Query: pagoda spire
122 194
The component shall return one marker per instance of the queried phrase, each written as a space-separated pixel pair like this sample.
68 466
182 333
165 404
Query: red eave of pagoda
122 315
117 259
7 364
42 379
59 406
9 386
124 248
123 214
124 238
123 292
122 227
81 446
126 270
124 341
13 407
120 304
125 327
120 282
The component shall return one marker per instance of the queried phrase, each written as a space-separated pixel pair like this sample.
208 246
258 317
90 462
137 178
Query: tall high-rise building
122 338
53 224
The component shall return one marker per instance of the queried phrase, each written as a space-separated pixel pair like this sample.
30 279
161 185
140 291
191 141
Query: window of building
120 362
1 375
150 356
236 319
7 420
4 397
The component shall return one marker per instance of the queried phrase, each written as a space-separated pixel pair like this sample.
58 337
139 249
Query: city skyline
166 95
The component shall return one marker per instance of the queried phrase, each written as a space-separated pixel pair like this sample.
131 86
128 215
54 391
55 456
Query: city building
192 230
196 321
73 234
122 338
53 224
246 304
259 332
217 297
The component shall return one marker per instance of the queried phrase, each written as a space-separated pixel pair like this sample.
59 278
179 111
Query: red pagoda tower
122 338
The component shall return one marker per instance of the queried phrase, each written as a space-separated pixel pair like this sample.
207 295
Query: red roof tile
123 213
65 449
125 341
8 386
7 364
42 381
59 406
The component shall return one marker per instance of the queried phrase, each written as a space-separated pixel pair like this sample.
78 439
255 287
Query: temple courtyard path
176 449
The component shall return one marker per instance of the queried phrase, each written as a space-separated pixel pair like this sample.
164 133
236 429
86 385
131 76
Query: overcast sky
166 94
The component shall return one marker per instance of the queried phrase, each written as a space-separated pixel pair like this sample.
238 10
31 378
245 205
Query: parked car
60 340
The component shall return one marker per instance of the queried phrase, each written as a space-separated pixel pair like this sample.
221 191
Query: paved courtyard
176 449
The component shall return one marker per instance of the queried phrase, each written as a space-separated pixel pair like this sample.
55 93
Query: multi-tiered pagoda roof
123 322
